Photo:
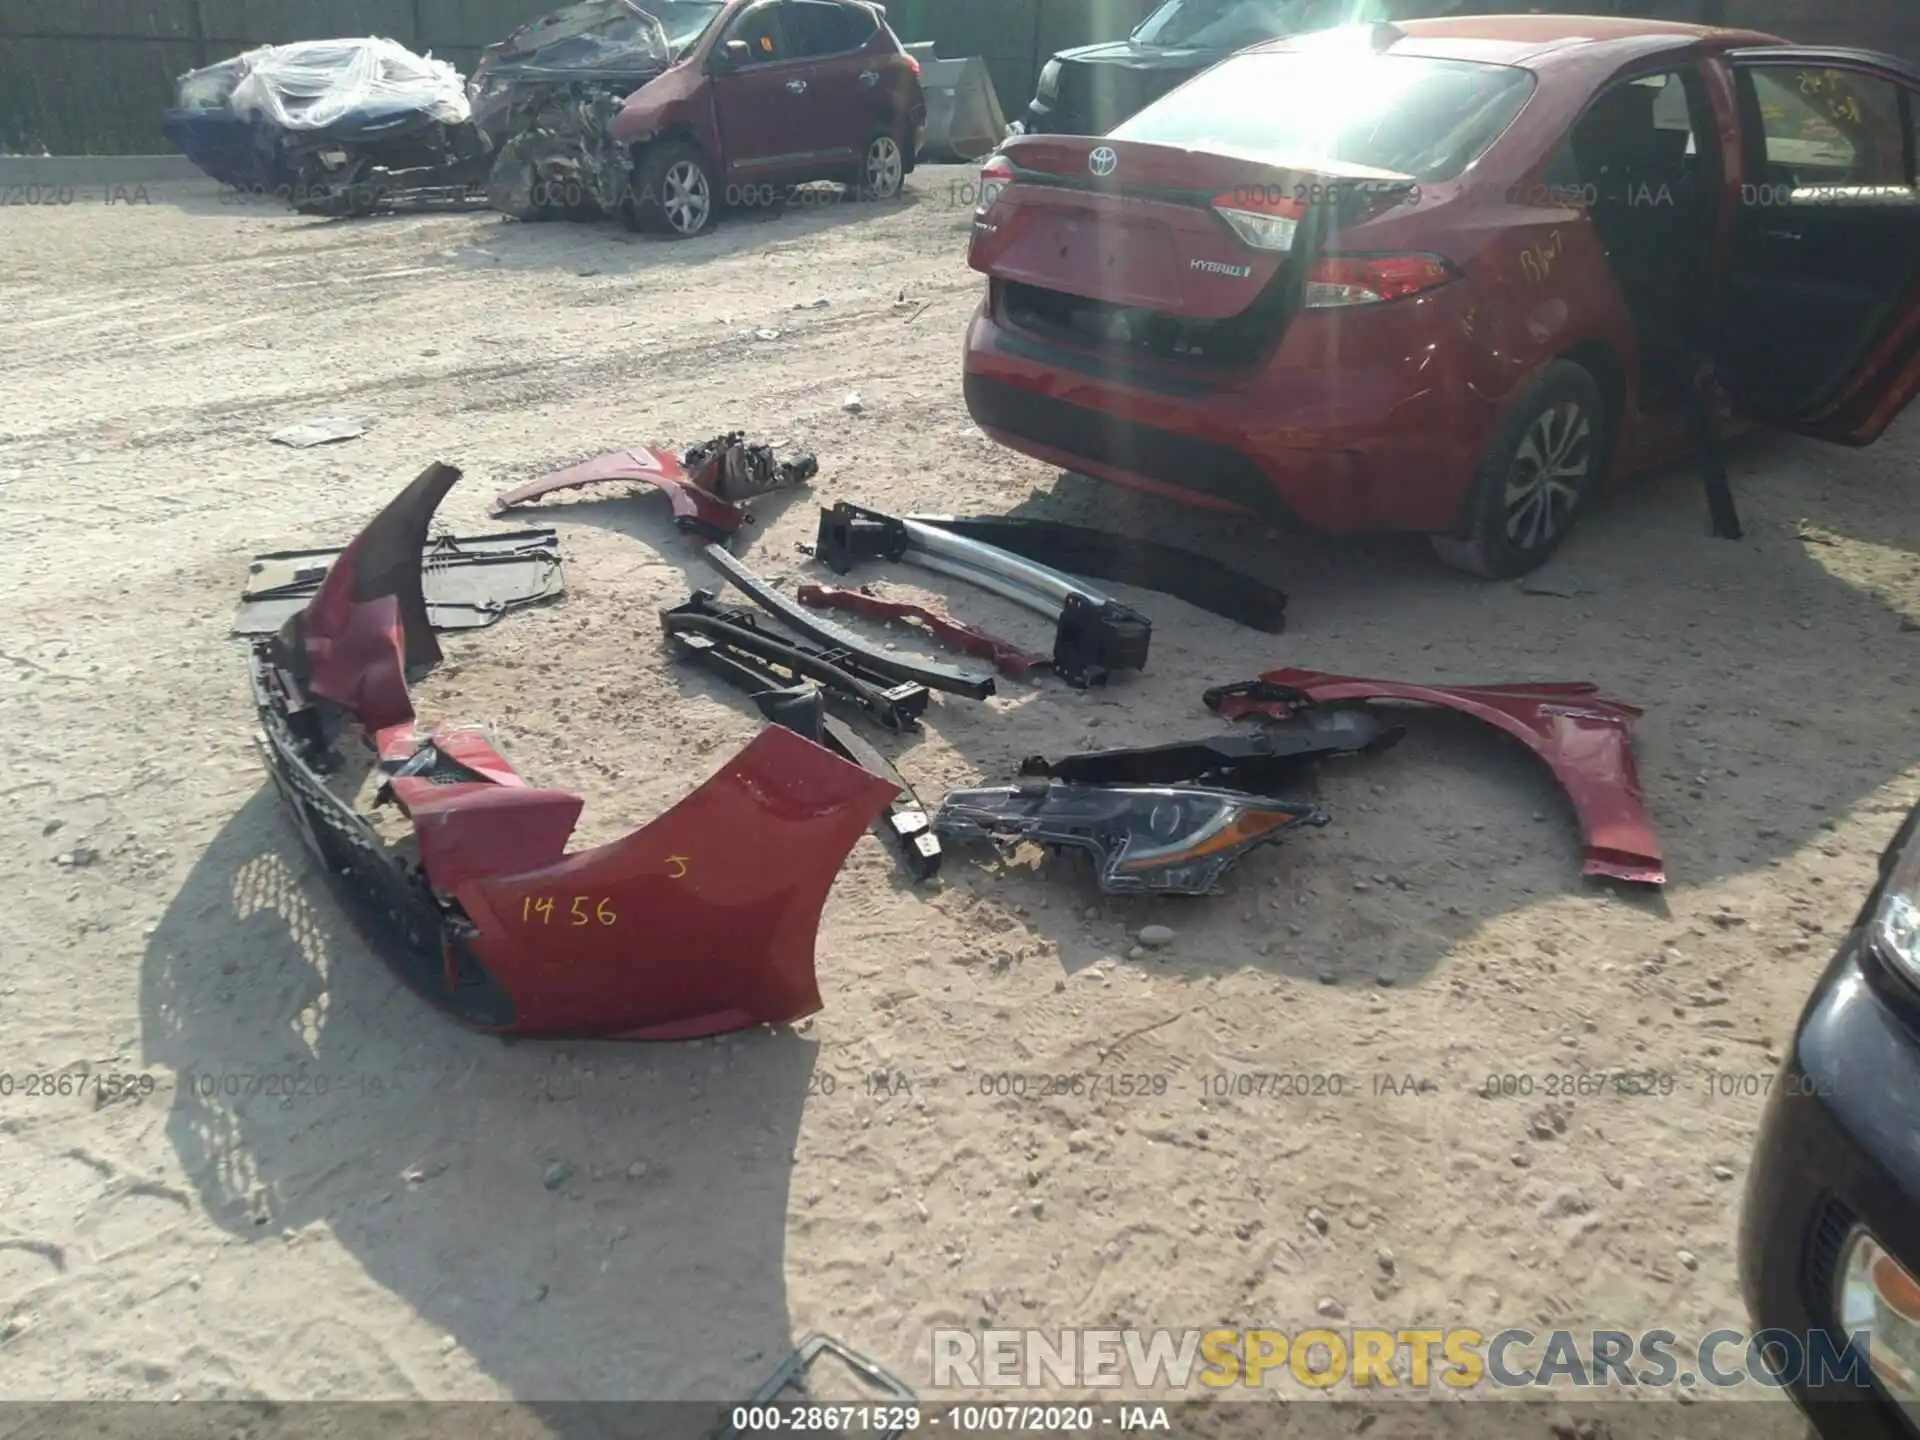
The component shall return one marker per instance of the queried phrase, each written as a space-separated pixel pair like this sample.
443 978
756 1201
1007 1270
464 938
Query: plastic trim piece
1095 635
1197 579
871 657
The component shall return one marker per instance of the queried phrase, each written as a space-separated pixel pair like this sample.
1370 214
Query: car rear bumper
1377 449
1834 1151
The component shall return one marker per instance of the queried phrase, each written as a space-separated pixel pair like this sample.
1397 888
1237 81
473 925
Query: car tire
883 166
1543 462
673 193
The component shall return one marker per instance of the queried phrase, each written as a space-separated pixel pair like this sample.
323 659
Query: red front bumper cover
701 923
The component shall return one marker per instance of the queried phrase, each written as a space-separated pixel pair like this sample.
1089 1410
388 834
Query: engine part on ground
1095 635
860 1382
964 120
1145 840
1200 580
1009 659
469 581
890 703
736 471
698 924
1585 740
695 510
1259 763
800 705
871 658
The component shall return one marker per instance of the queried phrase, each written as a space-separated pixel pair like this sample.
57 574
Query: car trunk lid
1190 233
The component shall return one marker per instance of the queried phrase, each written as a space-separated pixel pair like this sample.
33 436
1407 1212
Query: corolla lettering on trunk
1220 267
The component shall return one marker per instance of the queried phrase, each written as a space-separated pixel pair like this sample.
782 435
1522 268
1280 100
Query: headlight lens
1895 931
1049 85
1878 1294
1146 840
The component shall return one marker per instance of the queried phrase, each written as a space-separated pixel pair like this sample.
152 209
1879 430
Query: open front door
1820 326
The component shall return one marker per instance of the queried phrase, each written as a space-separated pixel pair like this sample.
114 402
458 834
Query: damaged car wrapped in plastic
333 127
700 923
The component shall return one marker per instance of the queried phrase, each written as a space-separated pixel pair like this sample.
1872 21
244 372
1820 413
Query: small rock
1689 1260
1263 947
1722 1172
637 1170
1155 937
819 302
1137 953
1359 885
766 334
853 404
51 826
78 858
1036 1208
1327 977
557 1174
1332 1309
1317 1218
1384 1258
536 1295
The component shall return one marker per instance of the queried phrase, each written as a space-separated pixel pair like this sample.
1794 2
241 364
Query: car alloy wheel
886 167
1550 471
686 197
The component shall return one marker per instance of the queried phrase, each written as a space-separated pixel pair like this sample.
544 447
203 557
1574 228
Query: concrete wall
92 76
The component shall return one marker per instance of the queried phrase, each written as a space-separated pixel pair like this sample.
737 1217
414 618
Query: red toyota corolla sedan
1451 275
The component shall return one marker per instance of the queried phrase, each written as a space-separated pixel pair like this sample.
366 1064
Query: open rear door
1820 330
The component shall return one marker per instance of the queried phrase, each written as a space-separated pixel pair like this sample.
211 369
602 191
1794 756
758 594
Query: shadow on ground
633 1199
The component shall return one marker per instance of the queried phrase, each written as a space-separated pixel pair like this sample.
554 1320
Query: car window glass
760 28
1828 127
1230 24
1409 115
816 27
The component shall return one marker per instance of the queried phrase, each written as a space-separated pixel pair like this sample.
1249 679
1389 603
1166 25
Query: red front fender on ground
1584 739
700 923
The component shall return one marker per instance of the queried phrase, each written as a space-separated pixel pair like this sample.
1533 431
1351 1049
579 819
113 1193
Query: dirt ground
416 1231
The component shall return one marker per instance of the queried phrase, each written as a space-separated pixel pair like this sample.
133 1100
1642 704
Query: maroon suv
773 93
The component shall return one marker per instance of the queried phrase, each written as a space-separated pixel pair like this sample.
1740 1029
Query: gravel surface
1253 1110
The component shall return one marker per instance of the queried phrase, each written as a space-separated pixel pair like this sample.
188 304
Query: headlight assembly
1879 1295
1158 840
1895 931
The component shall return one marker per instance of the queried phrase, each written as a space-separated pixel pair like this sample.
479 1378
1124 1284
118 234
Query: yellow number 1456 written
585 910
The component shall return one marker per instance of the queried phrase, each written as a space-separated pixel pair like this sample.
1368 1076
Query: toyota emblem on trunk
1103 161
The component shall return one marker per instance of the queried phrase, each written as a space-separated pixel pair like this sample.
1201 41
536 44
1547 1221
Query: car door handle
798 87
1794 236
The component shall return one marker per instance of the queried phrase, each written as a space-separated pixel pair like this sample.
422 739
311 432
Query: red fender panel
1584 739
693 508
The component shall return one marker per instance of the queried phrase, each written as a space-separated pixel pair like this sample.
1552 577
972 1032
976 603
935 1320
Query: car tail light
1340 280
1260 215
995 176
